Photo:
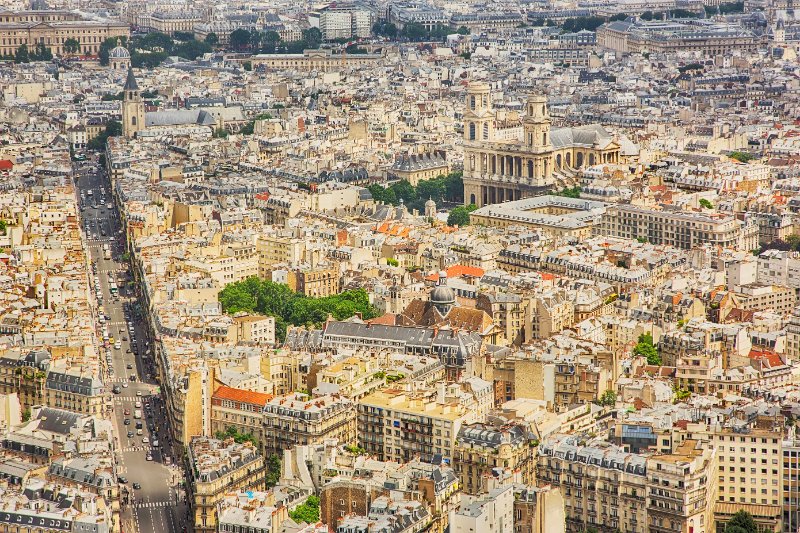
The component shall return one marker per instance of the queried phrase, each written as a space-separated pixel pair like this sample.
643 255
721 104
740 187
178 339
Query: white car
139 393
145 440
149 457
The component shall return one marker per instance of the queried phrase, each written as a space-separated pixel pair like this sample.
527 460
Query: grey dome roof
119 52
443 295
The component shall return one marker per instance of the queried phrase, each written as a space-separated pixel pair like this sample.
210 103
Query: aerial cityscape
399 266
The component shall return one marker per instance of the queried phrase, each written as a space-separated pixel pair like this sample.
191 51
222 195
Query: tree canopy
449 188
113 129
459 216
151 49
741 522
645 348
307 512
254 295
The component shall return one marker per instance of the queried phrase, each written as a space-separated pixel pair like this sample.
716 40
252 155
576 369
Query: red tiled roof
241 395
458 271
6 164
387 319
767 356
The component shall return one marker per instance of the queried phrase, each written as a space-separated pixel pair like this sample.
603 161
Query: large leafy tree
239 39
72 46
459 216
645 348
741 522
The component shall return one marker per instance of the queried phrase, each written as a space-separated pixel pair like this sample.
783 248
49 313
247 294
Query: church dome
443 296
430 203
119 52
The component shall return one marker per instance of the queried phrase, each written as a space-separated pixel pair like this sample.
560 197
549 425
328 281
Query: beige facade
319 60
481 448
52 28
520 162
218 467
679 229
297 419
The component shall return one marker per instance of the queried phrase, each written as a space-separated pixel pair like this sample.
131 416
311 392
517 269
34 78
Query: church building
505 162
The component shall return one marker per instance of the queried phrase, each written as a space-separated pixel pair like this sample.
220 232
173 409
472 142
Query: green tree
742 521
22 55
3 227
743 157
212 39
608 398
459 216
574 192
72 46
706 204
247 65
239 39
385 29
392 262
312 38
192 49
645 348
113 129
183 35
462 30
307 512
26 415
273 474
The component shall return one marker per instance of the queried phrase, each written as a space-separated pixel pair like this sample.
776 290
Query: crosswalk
152 505
135 449
121 399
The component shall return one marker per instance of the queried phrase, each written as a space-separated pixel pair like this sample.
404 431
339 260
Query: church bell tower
537 124
132 107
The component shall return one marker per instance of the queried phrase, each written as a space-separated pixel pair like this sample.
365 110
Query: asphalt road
158 506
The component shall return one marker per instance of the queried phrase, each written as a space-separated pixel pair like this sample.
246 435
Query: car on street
129 366
137 486
116 390
139 432
122 479
124 385
132 378
139 393
149 457
127 412
155 443
145 440
130 434
127 421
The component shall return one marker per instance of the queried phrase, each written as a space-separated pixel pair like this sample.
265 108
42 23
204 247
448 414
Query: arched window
472 199
133 120
530 168
579 160
472 102
569 159
471 131
558 161
591 159
485 131
544 139
544 110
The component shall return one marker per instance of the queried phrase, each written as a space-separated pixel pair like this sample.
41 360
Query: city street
158 505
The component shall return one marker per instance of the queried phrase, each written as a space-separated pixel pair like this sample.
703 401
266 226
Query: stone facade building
503 161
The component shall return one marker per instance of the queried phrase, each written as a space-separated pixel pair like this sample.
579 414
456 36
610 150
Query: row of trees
24 55
152 49
254 295
270 42
449 188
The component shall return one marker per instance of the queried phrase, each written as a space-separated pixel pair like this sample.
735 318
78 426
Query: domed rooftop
430 203
443 296
119 52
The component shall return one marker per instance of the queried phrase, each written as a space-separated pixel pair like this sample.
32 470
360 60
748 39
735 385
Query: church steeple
537 123
132 107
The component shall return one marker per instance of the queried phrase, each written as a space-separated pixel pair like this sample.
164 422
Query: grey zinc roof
179 117
57 421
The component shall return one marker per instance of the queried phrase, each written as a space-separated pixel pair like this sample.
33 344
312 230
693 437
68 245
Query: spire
130 82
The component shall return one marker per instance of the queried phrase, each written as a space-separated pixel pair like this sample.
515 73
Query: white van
137 414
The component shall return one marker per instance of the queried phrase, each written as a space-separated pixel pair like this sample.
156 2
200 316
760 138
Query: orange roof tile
458 271
241 395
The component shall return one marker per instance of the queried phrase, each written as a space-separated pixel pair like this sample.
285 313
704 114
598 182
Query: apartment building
317 282
277 249
298 419
481 448
343 21
492 513
605 487
240 409
681 229
215 468
750 471
396 425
